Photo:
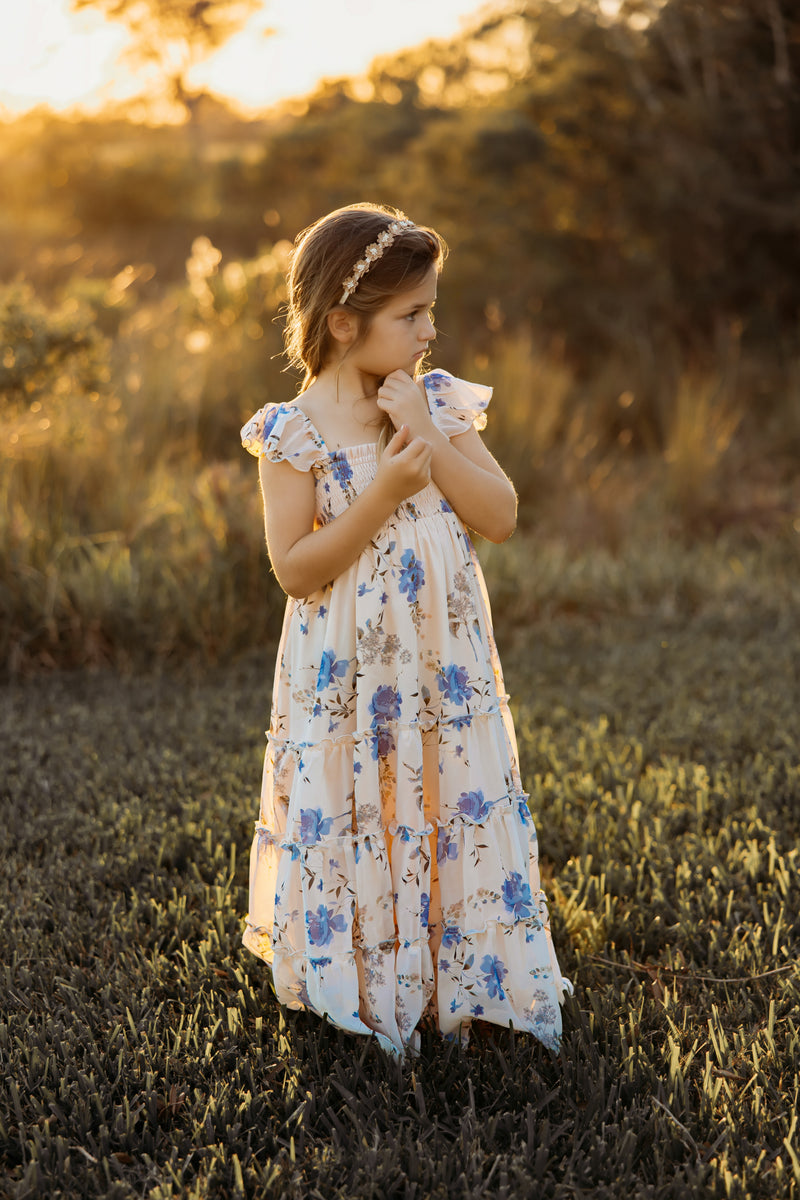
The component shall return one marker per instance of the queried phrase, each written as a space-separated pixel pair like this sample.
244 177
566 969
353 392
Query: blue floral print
412 576
394 868
313 825
269 424
440 381
330 669
342 471
454 682
517 896
446 845
494 972
382 743
385 706
472 804
322 925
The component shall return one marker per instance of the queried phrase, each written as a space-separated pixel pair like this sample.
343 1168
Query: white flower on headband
371 255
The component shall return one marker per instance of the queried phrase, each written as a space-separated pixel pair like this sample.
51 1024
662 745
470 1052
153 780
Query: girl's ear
343 326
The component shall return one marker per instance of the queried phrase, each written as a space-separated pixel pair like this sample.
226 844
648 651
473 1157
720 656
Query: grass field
142 1051
647 615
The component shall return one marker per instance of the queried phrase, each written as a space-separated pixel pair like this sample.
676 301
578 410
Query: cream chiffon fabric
394 866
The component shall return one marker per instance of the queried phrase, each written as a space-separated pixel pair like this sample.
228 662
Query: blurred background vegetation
621 197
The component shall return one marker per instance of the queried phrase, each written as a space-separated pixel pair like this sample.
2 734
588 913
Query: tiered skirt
394 867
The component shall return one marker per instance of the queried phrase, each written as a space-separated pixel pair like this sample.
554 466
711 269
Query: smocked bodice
341 475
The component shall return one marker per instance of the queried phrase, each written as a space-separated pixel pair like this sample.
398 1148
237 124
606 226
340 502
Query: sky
50 55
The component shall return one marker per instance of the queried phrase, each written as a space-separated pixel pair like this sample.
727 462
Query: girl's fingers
418 447
398 376
397 441
398 379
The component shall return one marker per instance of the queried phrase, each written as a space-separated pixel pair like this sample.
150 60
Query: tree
174 35
730 134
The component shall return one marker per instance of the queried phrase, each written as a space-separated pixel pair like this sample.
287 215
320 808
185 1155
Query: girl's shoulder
456 404
311 403
284 433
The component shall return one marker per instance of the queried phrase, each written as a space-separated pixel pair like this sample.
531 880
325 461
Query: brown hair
325 255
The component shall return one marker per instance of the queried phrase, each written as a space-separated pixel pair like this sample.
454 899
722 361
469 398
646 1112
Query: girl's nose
428 332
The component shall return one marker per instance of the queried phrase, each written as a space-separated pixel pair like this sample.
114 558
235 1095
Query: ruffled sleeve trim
283 433
456 404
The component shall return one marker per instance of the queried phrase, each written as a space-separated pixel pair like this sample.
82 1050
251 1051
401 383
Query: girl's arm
462 468
305 559
474 483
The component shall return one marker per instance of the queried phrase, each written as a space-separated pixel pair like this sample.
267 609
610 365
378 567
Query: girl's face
399 333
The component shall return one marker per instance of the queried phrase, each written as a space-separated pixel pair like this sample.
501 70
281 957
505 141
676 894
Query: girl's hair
325 255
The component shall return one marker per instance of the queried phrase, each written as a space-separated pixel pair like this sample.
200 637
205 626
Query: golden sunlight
51 55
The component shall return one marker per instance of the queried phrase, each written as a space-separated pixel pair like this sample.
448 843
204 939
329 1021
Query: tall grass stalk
701 426
130 523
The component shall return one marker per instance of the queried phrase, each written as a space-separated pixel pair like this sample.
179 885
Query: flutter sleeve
283 433
456 404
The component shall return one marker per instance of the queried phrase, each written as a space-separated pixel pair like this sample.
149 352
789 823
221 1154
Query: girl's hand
402 399
405 466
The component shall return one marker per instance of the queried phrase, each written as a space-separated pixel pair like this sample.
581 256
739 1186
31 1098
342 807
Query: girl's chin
410 367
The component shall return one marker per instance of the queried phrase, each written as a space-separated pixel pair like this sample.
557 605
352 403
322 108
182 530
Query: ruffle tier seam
393 727
502 806
537 923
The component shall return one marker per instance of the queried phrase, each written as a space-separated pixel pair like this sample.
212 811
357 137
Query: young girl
394 867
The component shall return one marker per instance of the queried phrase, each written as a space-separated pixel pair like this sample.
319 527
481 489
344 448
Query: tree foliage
173 35
622 185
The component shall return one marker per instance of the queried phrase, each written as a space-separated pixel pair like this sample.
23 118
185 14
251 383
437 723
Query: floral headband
372 253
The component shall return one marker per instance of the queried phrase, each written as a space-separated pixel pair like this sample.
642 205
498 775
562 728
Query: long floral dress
394 865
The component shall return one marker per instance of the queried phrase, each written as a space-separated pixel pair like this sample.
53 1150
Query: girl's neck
349 386
342 403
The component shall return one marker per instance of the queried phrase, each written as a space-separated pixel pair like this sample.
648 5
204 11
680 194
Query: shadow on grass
142 1050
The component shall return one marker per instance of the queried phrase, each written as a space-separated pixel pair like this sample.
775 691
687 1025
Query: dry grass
141 1048
130 528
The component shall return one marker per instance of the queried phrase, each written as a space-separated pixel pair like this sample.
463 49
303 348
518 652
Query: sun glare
50 55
